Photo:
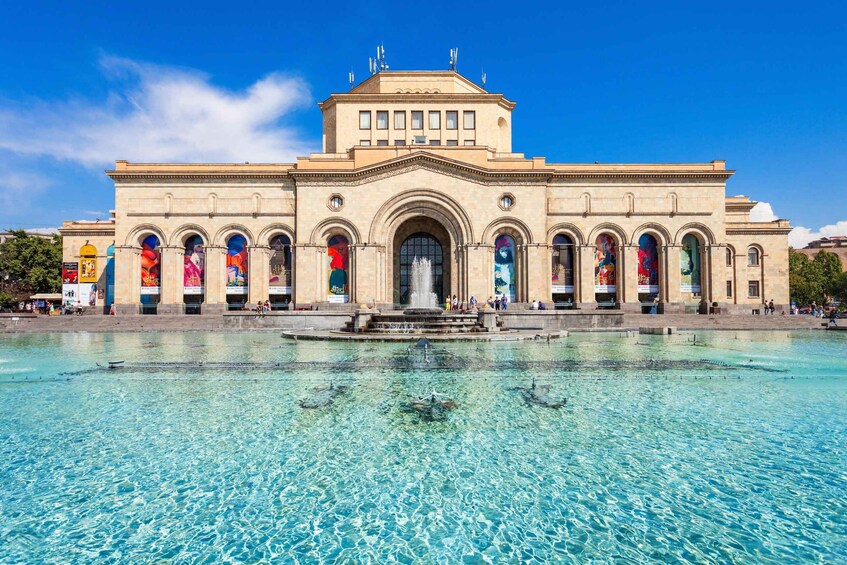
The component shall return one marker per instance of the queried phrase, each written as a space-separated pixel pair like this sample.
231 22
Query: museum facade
420 164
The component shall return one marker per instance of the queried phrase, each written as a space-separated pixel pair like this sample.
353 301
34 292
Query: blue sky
761 85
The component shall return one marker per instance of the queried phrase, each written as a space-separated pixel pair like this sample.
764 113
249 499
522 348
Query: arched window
421 246
753 257
562 264
729 257
281 269
504 266
151 270
689 264
648 265
338 256
605 268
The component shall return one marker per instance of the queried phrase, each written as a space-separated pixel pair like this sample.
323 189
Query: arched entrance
421 245
420 237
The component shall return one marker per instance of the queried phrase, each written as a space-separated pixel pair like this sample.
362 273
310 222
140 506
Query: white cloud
762 212
801 236
161 114
19 190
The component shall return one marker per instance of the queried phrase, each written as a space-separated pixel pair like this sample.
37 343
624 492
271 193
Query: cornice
641 175
143 176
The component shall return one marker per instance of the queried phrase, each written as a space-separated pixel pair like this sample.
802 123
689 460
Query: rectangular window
382 120
753 289
399 142
365 143
729 289
382 142
399 120
435 120
417 120
470 119
452 142
452 120
364 120
470 142
435 142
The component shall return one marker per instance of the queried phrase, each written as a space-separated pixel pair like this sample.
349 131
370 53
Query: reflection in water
199 449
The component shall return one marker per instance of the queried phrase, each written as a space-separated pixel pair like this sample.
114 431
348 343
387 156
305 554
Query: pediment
426 161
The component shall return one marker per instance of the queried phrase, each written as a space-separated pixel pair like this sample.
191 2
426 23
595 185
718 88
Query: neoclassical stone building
420 164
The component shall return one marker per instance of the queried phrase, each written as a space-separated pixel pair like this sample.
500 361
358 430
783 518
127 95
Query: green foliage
32 264
819 279
6 299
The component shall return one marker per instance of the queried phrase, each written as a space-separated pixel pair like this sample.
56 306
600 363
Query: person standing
455 302
771 307
497 303
472 302
504 301
491 302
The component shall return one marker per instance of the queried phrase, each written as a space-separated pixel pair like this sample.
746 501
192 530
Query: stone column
479 278
367 274
671 295
127 280
586 276
170 297
214 285
627 279
258 265
706 273
717 270
538 274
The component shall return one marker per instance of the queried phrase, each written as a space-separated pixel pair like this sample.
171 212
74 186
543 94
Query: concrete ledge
657 331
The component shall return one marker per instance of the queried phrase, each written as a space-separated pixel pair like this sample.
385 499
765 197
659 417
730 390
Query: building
39 233
420 164
835 244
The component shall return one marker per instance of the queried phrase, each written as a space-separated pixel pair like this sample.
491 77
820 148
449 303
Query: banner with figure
504 266
605 262
150 266
690 265
193 266
279 281
338 255
648 264
236 265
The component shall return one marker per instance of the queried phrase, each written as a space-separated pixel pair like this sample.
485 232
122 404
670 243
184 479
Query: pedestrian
259 309
497 303
448 303
490 302
833 314
267 307
771 307
455 302
541 305
472 302
534 305
504 300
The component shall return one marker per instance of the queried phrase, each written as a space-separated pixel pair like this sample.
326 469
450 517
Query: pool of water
732 449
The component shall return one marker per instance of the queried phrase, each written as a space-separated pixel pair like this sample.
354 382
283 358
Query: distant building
43 234
835 244
421 164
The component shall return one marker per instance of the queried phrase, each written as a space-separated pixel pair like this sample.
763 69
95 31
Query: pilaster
586 276
215 275
258 263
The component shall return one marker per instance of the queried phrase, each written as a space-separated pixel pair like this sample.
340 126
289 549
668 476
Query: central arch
420 236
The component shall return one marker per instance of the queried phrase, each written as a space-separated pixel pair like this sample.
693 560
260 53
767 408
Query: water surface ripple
730 450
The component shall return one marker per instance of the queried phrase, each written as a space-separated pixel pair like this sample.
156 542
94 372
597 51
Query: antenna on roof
454 59
484 78
377 64
352 78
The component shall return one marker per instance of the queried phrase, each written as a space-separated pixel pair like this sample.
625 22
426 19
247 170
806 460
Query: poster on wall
690 265
562 268
279 281
504 266
236 265
194 266
87 269
150 266
87 295
648 264
605 260
70 293
338 255
70 273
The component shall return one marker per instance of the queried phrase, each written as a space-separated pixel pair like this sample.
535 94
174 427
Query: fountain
422 299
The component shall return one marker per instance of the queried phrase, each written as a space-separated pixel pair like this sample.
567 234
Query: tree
814 280
31 264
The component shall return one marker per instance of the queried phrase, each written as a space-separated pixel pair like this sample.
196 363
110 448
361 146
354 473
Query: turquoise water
730 450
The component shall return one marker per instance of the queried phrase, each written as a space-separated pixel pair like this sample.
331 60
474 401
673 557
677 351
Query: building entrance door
421 245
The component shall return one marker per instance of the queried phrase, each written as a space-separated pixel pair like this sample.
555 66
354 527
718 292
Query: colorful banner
236 265
70 294
504 266
562 267
338 253
193 266
70 273
648 264
150 265
605 260
690 265
87 269
279 281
